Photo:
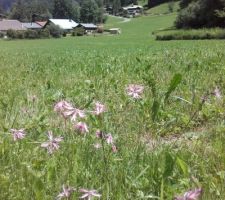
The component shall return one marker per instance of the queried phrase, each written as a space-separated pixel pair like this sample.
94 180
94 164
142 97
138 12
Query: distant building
88 27
32 25
64 24
115 31
11 24
133 10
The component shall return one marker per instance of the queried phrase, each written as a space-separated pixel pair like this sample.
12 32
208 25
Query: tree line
78 10
201 13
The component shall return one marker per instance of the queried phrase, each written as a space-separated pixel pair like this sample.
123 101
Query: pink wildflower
67 191
135 91
191 195
88 194
82 127
99 134
217 93
52 144
61 106
109 138
99 108
18 134
74 113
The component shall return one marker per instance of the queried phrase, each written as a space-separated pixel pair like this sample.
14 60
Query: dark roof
32 25
11 24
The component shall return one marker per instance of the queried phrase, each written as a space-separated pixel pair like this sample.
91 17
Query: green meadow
168 142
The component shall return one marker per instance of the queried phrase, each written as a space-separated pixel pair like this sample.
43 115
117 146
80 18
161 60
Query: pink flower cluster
86 194
68 111
18 134
191 195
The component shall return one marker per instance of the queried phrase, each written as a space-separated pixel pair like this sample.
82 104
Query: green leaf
173 85
182 165
155 109
169 165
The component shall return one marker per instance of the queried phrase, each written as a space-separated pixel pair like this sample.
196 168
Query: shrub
44 33
200 34
11 34
79 31
31 34
2 34
55 31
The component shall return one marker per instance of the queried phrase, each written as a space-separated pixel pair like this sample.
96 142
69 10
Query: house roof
88 25
42 24
132 7
11 24
65 24
32 25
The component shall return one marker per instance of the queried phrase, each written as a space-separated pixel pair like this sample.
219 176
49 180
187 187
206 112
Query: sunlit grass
167 142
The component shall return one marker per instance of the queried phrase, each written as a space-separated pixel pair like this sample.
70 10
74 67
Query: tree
66 9
19 11
116 6
201 13
89 11
23 10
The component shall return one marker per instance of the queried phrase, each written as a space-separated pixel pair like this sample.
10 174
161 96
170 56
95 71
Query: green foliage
78 31
23 10
173 85
200 34
55 31
2 34
201 13
65 9
89 11
155 159
31 34
153 3
28 34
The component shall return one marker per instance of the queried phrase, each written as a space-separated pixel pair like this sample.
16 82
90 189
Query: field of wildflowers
106 118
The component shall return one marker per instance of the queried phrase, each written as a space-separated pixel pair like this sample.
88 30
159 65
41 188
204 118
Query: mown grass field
168 142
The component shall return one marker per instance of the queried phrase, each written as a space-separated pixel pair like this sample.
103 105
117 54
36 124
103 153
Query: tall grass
168 142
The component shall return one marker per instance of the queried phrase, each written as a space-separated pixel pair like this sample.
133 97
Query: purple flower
217 93
61 106
191 195
99 108
67 191
135 91
109 138
88 194
81 127
99 134
52 144
73 113
18 134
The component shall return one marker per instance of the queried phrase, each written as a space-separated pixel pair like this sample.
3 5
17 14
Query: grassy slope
85 68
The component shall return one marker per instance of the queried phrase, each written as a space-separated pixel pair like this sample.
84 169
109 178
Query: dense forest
78 10
201 13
